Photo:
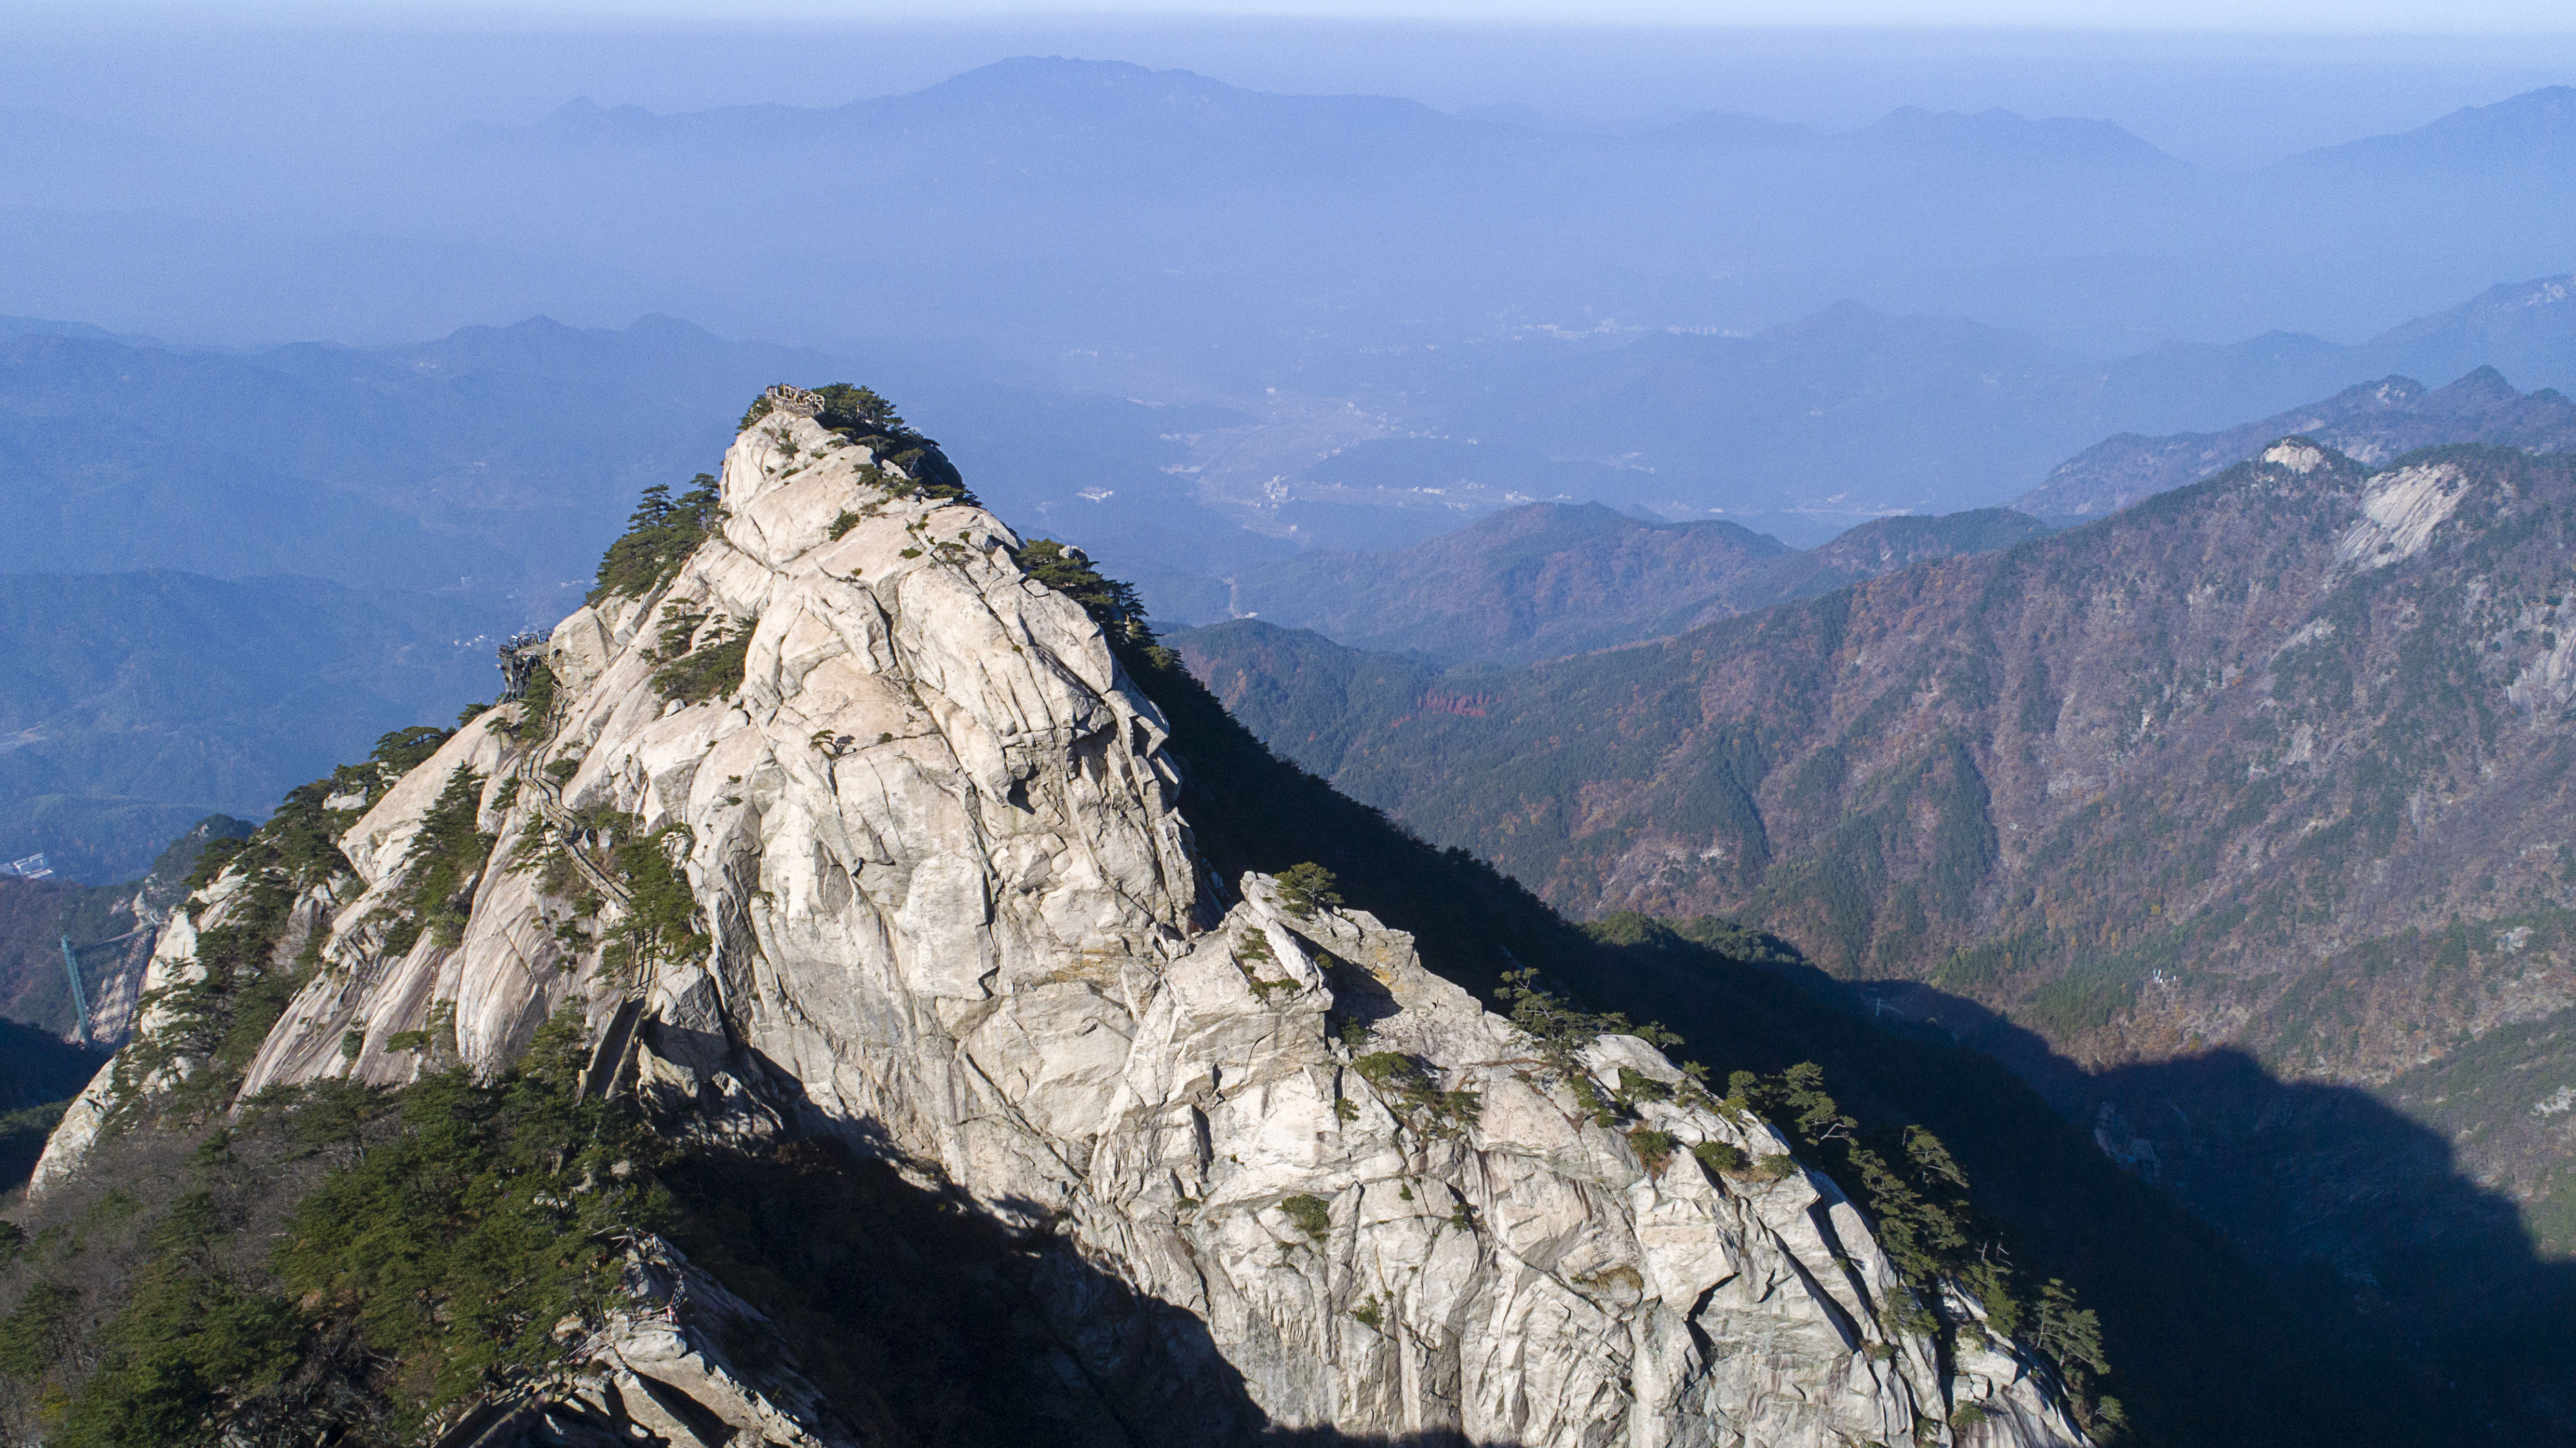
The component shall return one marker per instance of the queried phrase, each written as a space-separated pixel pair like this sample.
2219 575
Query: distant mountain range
496 460
2537 128
1550 579
493 463
1554 578
133 704
2370 422
1808 428
1162 232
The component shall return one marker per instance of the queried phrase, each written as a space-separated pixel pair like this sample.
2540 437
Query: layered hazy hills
2536 126
1799 430
1066 108
1549 579
1046 122
132 704
1529 582
493 462
1850 412
2277 761
1161 220
2369 422
1815 426
496 458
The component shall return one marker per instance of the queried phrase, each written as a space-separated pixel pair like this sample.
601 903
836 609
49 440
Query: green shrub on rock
711 667
1653 1148
1722 1158
445 860
660 535
1310 1214
1304 887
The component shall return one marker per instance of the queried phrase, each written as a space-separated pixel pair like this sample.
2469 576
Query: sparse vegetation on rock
661 533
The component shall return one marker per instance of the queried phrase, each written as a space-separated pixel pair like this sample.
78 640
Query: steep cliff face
918 882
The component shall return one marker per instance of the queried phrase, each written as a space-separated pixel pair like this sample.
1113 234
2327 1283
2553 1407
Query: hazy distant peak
1057 87
583 113
1844 318
2547 292
524 335
1566 524
2523 296
2389 391
1053 87
580 120
1725 128
2480 390
42 327
1540 517
2536 126
661 326
580 357
2371 422
1996 135
1068 125
1899 540
1021 74
2499 309
651 327
1047 84
2544 117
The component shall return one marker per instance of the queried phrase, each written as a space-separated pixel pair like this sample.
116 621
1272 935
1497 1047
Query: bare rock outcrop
949 911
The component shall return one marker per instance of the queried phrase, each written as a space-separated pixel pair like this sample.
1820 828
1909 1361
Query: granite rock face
955 918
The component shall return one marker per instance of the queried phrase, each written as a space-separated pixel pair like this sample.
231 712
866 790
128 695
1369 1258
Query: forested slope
1550 579
2276 764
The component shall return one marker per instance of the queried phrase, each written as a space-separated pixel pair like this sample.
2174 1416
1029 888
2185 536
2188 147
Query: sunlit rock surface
956 918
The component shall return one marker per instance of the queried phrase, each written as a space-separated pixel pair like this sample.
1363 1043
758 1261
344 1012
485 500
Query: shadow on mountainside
2356 1213
39 1074
928 1319
928 1316
2202 1353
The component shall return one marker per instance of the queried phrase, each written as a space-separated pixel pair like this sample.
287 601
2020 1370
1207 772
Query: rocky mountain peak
846 827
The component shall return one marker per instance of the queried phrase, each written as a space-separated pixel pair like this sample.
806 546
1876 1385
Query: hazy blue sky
2331 16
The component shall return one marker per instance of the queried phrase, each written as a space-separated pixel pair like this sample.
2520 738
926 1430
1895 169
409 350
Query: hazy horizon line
2201 20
